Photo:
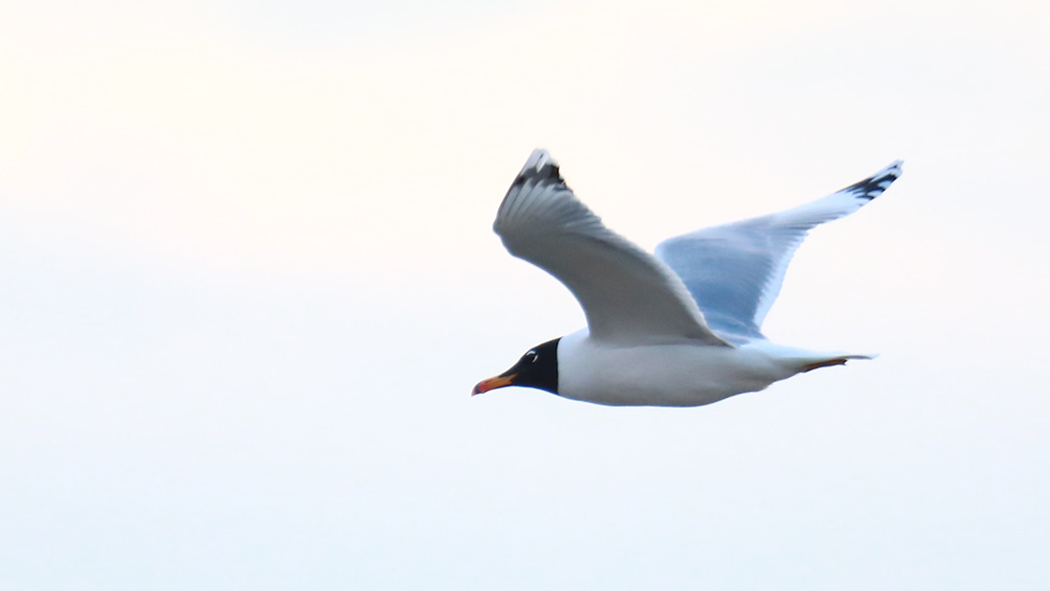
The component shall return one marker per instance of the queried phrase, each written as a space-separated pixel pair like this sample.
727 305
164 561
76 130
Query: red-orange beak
493 383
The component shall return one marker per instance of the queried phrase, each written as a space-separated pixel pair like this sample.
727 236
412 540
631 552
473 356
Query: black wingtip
540 169
877 183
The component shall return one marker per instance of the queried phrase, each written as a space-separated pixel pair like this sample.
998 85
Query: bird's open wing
735 271
628 295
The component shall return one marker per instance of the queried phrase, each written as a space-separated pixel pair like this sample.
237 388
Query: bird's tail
831 361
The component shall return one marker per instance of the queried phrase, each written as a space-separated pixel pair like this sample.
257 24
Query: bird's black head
537 368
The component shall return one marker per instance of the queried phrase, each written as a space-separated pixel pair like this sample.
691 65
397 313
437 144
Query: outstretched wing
628 295
735 271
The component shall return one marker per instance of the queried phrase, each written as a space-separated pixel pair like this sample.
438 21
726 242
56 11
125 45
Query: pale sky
249 280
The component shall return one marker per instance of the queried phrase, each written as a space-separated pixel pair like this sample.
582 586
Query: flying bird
681 327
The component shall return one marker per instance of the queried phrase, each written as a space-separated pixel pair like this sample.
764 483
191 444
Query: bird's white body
674 374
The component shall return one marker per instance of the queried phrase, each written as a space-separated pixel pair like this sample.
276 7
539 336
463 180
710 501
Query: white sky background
249 280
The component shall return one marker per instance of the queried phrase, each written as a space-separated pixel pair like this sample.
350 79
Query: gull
680 327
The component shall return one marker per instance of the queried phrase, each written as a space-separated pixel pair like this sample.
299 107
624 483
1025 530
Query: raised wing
735 271
628 296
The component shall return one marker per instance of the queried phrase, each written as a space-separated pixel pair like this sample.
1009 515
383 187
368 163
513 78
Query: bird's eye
532 357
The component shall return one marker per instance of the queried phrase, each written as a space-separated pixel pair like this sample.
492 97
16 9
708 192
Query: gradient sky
249 280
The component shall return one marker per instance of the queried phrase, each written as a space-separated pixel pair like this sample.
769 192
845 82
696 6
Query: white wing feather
735 271
627 294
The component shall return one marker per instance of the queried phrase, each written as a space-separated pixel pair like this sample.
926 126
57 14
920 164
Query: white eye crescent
532 357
